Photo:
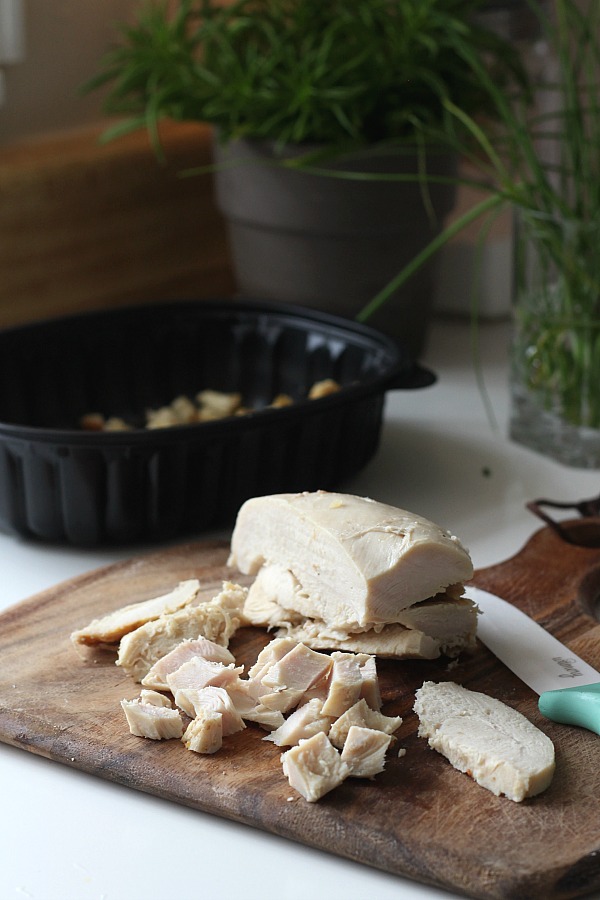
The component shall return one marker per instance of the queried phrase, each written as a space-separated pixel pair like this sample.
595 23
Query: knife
569 688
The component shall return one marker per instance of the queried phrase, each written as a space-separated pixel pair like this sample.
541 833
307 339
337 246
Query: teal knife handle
573 706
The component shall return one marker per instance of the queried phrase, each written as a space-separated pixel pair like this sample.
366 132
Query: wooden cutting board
421 818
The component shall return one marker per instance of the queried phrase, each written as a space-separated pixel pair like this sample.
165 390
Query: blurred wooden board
420 818
89 225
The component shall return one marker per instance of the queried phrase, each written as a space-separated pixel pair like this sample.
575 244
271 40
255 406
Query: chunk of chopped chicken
362 715
364 751
151 721
300 725
358 562
216 699
370 682
492 742
345 684
289 678
269 655
186 650
111 628
154 698
216 620
198 672
314 767
262 715
204 734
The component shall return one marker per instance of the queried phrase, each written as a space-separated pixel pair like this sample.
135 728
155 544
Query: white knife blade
569 687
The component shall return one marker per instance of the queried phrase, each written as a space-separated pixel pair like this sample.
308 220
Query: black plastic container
59 483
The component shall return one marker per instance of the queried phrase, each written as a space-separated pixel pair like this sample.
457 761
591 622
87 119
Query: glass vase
555 351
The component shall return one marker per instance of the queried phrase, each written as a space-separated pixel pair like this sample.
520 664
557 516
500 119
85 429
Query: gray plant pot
332 243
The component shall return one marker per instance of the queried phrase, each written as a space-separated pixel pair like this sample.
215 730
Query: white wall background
64 41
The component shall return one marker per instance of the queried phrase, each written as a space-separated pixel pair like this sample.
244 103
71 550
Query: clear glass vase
555 352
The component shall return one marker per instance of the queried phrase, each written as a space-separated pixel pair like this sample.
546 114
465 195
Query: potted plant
335 132
545 166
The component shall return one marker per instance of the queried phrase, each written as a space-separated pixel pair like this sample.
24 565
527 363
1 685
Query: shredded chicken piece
345 685
111 628
269 655
150 721
154 698
362 715
393 641
314 767
186 650
216 620
198 672
262 715
306 721
370 682
204 734
364 751
216 699
287 680
298 670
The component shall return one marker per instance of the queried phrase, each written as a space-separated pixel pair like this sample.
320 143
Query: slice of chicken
151 721
450 621
496 745
345 684
268 597
204 733
305 722
393 641
111 628
362 715
314 767
186 650
358 562
364 751
216 620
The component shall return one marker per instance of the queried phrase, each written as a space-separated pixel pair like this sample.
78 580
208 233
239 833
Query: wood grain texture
420 818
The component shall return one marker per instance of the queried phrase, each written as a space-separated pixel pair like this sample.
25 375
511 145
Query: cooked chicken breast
357 562
302 724
493 743
198 673
314 767
364 717
215 620
287 680
394 641
111 628
151 721
216 699
364 751
186 650
204 734
345 684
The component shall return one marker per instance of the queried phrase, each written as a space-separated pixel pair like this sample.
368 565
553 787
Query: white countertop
66 835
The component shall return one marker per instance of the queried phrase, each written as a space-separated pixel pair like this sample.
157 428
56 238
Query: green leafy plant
546 167
343 73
